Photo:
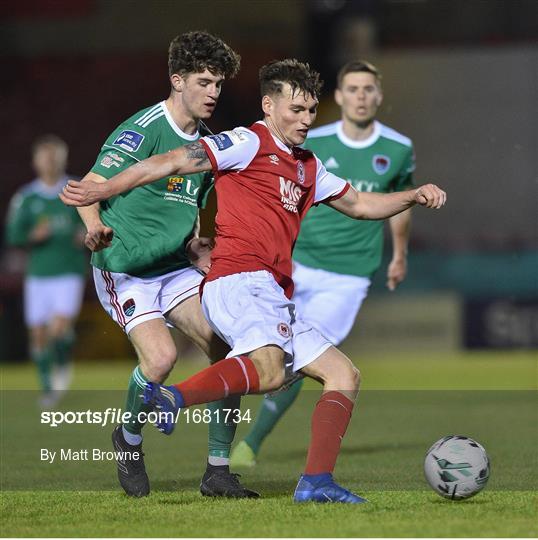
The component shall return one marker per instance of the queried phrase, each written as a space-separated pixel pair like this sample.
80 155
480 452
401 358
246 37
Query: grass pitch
406 404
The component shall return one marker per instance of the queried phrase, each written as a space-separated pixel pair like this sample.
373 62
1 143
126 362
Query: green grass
407 403
186 514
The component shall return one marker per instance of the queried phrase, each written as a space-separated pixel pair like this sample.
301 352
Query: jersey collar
50 192
344 139
278 142
194 137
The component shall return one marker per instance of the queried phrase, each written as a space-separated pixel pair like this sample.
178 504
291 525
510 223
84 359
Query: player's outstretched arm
191 158
365 205
98 236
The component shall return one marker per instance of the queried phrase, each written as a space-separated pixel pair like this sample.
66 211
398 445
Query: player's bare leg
156 353
217 480
331 416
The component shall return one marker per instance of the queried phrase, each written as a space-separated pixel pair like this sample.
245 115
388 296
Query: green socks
63 347
222 432
135 403
44 360
270 413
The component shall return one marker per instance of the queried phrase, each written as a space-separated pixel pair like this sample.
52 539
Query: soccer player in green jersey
142 272
335 256
53 235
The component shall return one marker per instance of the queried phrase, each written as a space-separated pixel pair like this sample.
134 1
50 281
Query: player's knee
355 377
273 380
157 366
269 364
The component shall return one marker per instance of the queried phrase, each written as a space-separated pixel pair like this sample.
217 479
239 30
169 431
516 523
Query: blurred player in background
54 283
142 272
335 256
265 184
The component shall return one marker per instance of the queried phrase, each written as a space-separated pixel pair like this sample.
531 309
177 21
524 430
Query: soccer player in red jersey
265 184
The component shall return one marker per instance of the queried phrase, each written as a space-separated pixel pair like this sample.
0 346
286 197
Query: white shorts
249 310
331 301
131 300
49 297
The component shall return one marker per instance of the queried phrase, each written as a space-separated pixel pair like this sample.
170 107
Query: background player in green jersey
335 256
143 276
54 283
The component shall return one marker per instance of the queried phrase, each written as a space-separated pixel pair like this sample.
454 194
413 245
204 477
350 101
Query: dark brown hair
357 66
300 76
194 52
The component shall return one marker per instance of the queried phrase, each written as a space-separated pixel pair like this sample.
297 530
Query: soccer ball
457 467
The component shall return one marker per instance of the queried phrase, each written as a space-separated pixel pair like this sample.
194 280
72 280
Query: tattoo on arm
196 151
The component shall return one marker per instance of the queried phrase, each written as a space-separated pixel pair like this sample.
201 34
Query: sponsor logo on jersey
284 330
129 307
273 158
365 185
222 141
129 140
290 194
331 163
381 163
300 172
175 184
112 160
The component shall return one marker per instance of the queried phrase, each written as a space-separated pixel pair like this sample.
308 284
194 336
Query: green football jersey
151 223
384 162
61 253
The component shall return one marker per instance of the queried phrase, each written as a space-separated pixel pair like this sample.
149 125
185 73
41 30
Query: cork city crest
381 163
129 307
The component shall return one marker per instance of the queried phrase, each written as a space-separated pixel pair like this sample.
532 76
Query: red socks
235 375
329 423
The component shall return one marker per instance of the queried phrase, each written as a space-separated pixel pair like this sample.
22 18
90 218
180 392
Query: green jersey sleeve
127 145
19 221
404 178
205 190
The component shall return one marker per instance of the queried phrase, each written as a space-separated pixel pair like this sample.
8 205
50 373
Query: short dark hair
357 66
194 52
49 140
300 76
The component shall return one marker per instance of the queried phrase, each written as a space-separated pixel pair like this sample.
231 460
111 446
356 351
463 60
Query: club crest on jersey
300 172
381 163
284 330
129 307
129 140
175 184
273 158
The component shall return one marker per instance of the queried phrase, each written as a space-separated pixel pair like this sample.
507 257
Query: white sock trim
244 368
131 438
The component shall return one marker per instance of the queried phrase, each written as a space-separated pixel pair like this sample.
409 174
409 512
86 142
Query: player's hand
41 231
430 196
396 272
84 193
199 252
98 237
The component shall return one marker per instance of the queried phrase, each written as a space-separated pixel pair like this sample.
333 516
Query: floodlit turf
407 404
186 514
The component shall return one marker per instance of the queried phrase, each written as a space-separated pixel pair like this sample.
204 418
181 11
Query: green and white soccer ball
457 467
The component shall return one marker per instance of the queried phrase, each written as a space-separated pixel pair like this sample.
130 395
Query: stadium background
459 79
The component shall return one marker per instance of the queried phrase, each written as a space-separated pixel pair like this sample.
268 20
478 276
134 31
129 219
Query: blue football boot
322 488
166 401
